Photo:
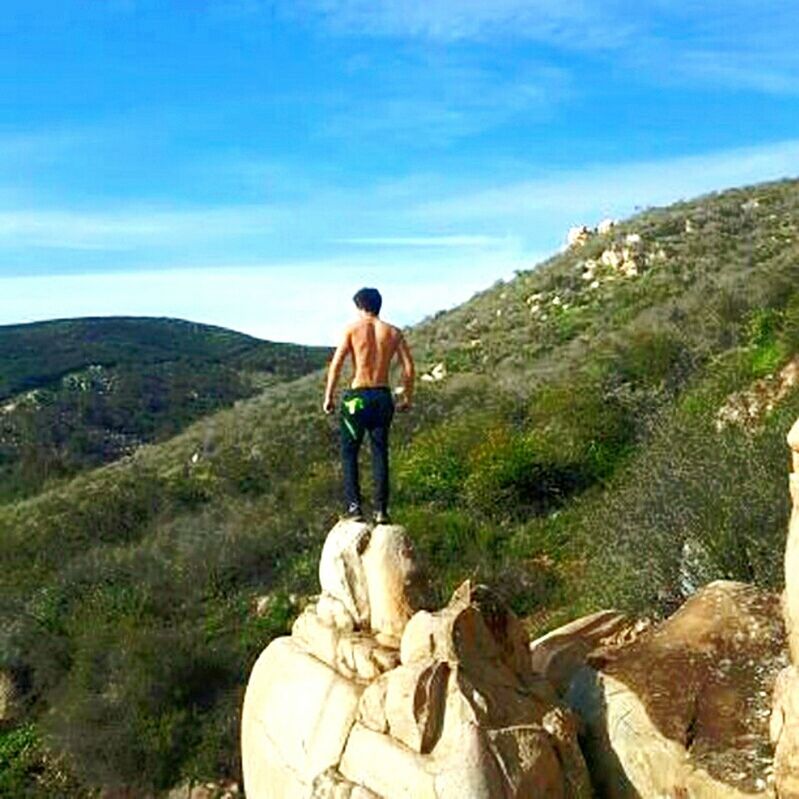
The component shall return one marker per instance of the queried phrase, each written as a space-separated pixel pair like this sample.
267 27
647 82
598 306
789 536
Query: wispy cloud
420 263
579 24
265 301
457 242
772 72
97 230
427 213
423 97
545 206
736 45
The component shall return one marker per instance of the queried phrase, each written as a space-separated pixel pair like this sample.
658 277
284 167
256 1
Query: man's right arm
334 370
408 372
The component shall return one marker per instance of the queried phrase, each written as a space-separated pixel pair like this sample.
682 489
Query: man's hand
328 406
403 405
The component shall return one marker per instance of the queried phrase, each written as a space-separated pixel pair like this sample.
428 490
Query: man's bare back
372 345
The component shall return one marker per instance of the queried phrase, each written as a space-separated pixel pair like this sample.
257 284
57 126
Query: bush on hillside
701 506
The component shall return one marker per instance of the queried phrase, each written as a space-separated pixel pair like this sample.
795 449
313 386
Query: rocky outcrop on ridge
371 697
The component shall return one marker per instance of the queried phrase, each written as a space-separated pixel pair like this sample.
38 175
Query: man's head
368 300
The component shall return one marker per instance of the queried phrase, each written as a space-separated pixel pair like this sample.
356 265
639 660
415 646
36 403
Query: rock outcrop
674 713
372 697
749 408
578 235
9 697
785 713
558 655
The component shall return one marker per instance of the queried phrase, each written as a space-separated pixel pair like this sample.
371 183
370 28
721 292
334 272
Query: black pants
362 410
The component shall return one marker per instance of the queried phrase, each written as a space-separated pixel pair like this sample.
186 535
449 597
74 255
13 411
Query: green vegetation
77 393
570 457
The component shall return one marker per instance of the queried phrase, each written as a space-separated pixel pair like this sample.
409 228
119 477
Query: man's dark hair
368 300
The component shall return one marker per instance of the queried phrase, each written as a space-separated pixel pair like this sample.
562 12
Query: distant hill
77 393
575 442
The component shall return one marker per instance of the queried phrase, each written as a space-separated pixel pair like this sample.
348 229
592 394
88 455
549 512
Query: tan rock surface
341 572
390 570
557 655
267 775
372 707
415 700
296 717
785 733
784 726
791 595
386 767
331 784
672 712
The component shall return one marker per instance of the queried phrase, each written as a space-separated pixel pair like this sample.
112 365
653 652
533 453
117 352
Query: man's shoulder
392 329
352 327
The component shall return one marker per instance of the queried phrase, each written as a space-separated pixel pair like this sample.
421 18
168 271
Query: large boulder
791 596
785 712
678 711
578 235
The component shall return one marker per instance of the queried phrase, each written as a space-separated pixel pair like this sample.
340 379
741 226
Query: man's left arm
408 373
334 371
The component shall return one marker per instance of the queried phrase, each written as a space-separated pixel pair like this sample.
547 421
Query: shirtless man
368 405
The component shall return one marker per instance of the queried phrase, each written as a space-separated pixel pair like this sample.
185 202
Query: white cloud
436 217
421 263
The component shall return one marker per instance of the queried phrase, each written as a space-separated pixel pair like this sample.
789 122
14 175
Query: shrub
650 357
762 336
434 466
581 428
509 478
29 769
452 545
790 325
695 506
131 709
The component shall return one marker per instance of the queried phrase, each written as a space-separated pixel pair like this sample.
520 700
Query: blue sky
251 163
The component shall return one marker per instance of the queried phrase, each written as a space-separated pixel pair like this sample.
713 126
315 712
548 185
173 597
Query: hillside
565 446
77 393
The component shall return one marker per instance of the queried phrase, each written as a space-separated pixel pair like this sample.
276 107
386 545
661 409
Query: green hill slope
571 454
76 393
